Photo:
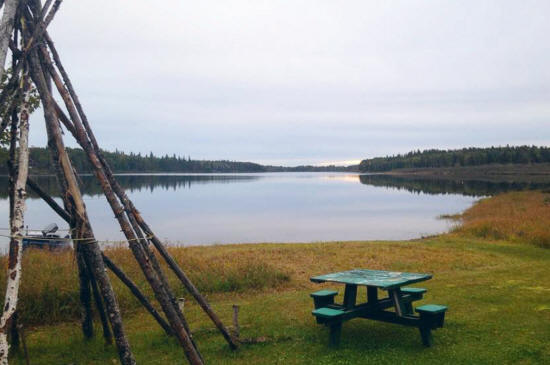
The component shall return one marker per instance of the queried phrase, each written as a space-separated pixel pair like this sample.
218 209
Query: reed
521 217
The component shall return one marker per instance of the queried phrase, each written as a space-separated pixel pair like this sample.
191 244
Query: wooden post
236 328
24 342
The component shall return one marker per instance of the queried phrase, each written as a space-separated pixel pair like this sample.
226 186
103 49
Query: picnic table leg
426 334
372 294
350 296
408 309
395 295
335 334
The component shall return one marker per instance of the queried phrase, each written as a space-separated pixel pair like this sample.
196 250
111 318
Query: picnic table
395 308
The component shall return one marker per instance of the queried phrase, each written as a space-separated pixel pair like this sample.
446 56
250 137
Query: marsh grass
49 290
522 217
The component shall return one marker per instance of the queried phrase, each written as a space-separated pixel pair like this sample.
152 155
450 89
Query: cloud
307 81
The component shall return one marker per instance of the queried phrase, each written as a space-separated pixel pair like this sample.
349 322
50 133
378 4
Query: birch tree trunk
6 29
16 226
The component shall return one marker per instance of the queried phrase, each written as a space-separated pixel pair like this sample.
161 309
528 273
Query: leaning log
84 231
138 294
80 121
143 259
110 264
49 200
42 23
86 314
107 336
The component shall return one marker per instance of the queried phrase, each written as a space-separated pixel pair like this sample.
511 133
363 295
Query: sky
306 82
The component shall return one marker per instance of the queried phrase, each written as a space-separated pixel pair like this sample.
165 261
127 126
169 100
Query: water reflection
273 207
131 183
428 185
151 182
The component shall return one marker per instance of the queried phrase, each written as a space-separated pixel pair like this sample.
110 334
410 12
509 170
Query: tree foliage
123 162
463 157
34 103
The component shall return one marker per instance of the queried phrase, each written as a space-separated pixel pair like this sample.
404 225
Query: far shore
494 172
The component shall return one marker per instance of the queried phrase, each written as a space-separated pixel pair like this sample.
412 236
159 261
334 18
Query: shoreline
494 172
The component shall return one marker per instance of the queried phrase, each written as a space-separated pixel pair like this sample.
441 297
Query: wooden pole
138 294
78 210
16 225
110 264
80 122
168 305
41 24
86 315
100 309
48 200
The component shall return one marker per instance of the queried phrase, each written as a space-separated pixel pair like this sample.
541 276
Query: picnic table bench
396 308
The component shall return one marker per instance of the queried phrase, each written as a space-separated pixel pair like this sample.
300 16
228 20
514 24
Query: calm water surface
272 207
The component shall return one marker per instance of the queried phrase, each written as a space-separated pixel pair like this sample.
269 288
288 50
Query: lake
203 209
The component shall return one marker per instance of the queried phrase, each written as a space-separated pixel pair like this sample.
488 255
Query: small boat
47 239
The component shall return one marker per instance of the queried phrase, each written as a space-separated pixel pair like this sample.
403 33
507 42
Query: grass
522 217
49 290
496 290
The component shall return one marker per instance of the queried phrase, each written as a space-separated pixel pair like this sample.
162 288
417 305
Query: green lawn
498 296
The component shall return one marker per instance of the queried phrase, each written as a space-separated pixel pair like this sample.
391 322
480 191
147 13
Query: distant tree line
461 157
39 161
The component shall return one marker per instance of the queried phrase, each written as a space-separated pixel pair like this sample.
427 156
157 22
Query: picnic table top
378 278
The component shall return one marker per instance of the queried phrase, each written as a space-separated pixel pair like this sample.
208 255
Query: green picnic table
395 308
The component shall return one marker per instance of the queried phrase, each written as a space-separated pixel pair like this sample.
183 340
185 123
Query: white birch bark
6 29
16 225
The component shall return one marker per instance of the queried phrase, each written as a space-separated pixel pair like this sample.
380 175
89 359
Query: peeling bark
16 225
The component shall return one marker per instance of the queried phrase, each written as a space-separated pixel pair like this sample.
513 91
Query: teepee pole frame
36 51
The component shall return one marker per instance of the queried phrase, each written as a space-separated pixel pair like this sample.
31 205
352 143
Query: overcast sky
293 82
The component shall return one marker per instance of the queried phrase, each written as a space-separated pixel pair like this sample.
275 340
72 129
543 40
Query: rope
35 229
90 240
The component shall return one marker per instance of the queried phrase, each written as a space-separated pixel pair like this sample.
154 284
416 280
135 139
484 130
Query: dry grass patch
518 216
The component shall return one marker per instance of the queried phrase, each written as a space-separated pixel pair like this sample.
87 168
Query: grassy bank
522 217
498 298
